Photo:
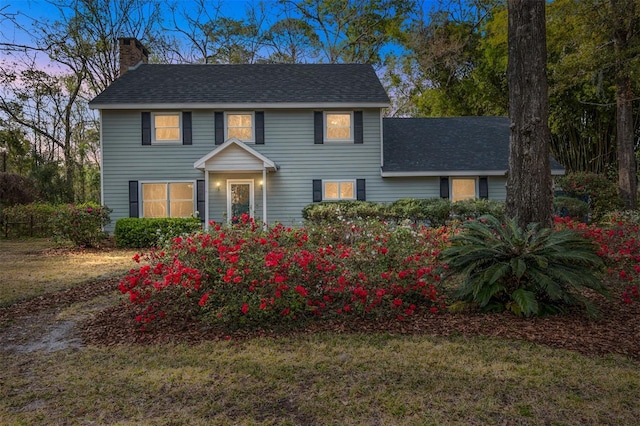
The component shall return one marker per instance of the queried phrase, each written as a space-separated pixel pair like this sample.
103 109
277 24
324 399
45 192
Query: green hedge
332 210
435 211
152 232
602 194
571 207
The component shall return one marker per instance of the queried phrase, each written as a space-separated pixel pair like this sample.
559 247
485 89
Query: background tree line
436 59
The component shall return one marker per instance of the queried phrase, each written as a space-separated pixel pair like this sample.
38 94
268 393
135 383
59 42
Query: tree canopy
436 58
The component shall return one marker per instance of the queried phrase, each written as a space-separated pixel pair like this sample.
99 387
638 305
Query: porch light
218 184
260 183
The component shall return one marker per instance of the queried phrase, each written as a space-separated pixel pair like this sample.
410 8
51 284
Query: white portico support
234 157
264 196
206 200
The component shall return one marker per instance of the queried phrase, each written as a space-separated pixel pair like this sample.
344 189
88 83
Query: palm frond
524 268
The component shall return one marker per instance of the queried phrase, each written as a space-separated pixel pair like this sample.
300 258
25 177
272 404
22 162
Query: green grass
34 267
321 379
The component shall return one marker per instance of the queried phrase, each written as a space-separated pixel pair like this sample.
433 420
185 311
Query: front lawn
427 367
321 379
32 267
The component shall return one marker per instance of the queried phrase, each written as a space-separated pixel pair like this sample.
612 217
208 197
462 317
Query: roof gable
245 85
235 155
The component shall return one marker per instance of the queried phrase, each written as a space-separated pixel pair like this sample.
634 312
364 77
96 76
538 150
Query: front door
239 198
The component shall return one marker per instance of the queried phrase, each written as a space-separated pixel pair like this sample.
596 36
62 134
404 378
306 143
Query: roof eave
235 105
436 173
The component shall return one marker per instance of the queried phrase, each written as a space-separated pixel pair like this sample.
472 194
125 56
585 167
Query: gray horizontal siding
124 158
497 188
289 142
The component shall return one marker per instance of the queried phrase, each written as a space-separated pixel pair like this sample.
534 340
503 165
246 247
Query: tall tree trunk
627 174
627 168
529 191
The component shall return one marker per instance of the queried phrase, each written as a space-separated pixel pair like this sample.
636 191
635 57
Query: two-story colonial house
268 139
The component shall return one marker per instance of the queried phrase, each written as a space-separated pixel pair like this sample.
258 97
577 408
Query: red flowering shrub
243 274
80 223
618 243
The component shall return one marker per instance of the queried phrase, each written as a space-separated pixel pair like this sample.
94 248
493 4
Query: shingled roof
244 85
448 146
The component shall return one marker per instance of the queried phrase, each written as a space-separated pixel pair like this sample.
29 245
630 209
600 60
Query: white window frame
326 126
339 182
168 200
154 140
251 195
476 186
253 124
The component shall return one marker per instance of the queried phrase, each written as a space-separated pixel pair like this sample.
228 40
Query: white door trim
250 182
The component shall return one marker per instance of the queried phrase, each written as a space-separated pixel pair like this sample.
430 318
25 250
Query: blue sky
43 10
40 10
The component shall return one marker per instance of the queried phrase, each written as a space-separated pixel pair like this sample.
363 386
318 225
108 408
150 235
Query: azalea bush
82 224
246 274
618 243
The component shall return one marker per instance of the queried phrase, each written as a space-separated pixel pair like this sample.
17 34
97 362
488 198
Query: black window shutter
134 210
444 187
186 128
483 187
200 197
361 194
146 128
318 127
358 132
317 190
219 122
259 127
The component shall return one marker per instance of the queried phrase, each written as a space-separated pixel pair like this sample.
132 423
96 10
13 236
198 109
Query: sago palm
529 271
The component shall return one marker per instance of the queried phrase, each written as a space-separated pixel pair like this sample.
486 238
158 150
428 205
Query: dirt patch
38 324
53 336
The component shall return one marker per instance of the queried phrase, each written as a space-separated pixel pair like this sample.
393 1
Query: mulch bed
618 332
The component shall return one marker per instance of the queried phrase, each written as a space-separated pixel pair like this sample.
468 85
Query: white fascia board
245 106
445 173
267 162
554 172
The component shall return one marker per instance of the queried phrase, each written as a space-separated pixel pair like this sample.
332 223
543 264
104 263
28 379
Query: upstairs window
240 126
338 127
338 190
166 127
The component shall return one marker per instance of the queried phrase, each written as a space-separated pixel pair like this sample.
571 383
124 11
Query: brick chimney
132 52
